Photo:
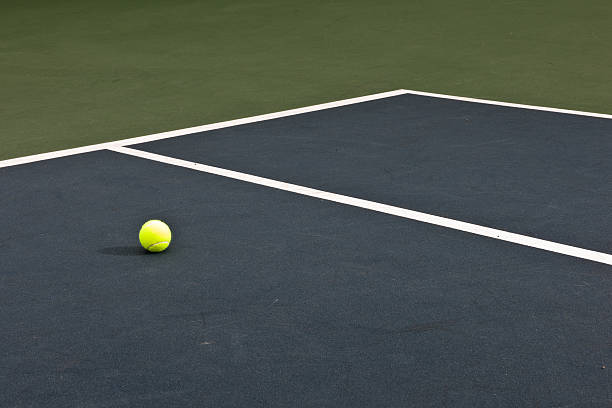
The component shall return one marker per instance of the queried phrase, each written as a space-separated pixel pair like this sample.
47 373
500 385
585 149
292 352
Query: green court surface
75 73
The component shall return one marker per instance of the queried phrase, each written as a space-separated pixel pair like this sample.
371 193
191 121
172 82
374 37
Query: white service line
374 206
196 129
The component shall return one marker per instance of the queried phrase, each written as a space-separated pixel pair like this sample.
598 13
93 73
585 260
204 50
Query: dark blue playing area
267 298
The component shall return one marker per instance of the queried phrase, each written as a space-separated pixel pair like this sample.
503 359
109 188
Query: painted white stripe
196 129
509 104
374 206
259 118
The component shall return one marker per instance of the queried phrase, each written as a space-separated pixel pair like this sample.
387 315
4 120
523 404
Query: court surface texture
402 249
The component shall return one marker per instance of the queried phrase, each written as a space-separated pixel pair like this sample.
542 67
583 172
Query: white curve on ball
157 243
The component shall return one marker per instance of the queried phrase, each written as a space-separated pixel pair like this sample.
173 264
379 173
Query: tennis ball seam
157 243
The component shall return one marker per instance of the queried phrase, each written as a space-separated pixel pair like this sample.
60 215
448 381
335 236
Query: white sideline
290 112
510 104
196 129
374 206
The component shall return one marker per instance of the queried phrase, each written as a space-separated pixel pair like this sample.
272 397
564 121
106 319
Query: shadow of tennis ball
124 251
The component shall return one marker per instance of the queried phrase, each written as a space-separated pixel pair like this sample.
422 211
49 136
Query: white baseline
196 129
276 115
374 206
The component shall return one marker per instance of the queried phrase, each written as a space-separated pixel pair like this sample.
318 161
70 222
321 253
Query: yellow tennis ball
155 236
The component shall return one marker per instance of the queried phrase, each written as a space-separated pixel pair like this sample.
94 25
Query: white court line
374 206
196 129
510 104
259 118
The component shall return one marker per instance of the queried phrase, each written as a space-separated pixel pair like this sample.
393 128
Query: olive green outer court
75 73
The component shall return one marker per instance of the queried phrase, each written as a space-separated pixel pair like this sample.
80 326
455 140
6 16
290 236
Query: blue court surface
394 251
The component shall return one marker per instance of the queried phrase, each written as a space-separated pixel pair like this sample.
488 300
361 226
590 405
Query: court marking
197 129
313 108
510 104
375 206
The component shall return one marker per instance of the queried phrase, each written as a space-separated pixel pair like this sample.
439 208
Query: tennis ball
155 236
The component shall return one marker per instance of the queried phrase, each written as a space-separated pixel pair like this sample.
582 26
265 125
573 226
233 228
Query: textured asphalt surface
542 174
267 298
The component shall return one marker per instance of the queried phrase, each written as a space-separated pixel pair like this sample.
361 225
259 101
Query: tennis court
342 243
350 254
